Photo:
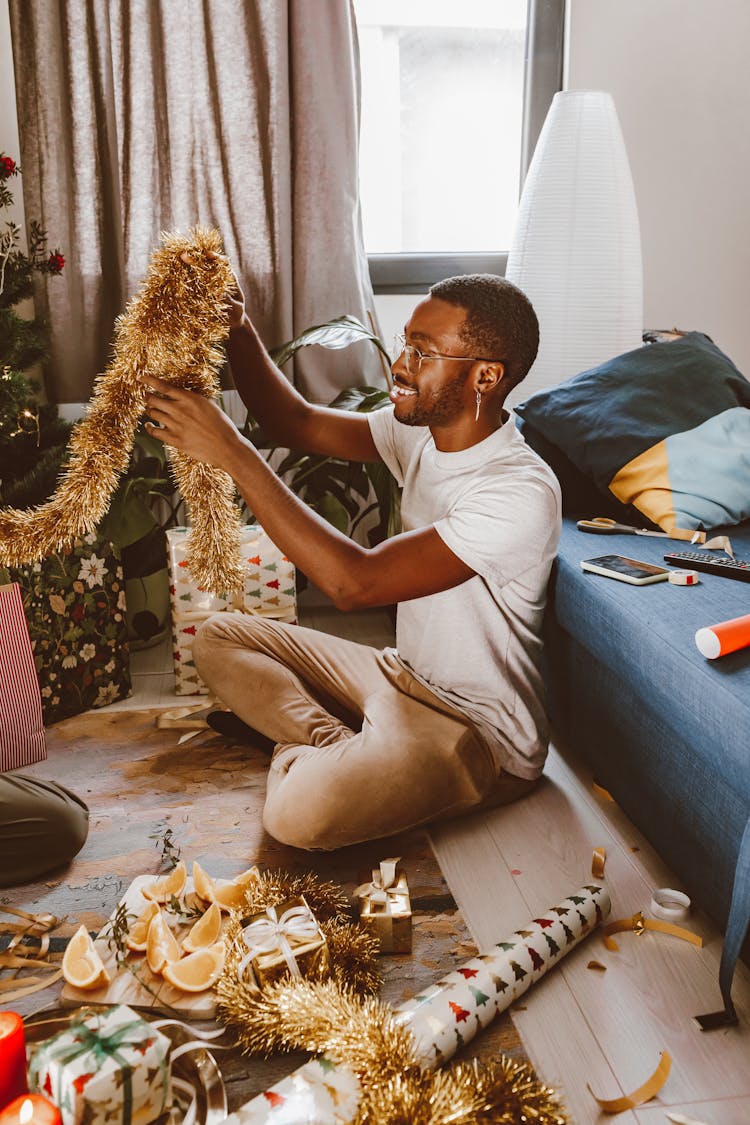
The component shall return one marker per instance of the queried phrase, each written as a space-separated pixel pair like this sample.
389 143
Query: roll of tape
684 577
671 906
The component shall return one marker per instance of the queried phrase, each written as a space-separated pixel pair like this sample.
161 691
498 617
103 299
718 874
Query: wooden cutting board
124 988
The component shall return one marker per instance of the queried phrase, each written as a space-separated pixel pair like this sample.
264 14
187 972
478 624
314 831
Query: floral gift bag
75 608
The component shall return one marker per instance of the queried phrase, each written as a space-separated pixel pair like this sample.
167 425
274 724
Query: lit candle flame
26 1112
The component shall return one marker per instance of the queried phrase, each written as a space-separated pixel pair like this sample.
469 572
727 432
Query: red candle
30 1109
12 1058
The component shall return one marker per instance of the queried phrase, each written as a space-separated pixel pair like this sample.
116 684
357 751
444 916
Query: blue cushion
665 428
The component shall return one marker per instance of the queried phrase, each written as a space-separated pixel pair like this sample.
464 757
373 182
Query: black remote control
696 560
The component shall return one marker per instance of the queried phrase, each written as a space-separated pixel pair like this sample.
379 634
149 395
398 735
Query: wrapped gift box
385 907
284 941
270 590
109 1067
74 603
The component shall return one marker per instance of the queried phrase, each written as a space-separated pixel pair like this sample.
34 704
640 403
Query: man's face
433 392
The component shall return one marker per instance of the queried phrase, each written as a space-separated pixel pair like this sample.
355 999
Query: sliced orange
161 944
81 964
198 970
226 893
138 932
161 890
229 896
203 883
205 931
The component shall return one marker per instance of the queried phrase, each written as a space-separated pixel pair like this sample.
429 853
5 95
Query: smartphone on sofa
625 569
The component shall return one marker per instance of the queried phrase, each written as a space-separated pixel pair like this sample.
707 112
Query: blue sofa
665 730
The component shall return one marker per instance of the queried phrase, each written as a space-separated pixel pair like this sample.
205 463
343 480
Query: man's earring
479 403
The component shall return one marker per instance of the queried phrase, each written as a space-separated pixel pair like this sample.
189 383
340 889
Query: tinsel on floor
340 1019
367 1037
172 329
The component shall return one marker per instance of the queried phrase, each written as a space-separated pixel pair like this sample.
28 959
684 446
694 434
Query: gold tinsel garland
366 1036
341 1019
171 329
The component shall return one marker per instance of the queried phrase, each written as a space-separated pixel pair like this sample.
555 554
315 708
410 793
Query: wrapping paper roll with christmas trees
442 1018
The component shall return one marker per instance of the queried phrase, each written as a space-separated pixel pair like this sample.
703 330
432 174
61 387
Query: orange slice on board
227 894
203 883
205 931
198 970
138 932
81 964
161 890
161 944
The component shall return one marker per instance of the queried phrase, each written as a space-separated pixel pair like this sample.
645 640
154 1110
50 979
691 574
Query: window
450 108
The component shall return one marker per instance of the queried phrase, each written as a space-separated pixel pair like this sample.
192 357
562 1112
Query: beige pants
363 749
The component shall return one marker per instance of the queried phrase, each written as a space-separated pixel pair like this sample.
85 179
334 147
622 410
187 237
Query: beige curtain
140 116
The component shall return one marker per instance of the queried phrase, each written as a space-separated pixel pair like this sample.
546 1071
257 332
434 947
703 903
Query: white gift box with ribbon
286 940
385 907
270 591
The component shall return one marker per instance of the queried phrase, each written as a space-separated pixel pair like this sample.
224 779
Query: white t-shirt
497 506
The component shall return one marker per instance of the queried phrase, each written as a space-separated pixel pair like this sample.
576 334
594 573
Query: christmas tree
33 438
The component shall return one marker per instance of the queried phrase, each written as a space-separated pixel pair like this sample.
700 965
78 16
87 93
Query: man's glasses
413 357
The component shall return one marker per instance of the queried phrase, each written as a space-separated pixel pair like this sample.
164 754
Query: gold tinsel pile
171 329
341 1019
365 1035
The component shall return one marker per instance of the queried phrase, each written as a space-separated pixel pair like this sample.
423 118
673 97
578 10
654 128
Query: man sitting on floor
370 743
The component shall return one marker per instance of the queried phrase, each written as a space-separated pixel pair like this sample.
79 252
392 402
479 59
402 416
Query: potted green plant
344 493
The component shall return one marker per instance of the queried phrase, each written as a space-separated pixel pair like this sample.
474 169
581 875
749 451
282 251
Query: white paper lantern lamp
576 248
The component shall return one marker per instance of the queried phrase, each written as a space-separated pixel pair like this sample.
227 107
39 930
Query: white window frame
543 74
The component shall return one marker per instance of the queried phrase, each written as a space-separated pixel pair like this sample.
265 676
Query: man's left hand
191 423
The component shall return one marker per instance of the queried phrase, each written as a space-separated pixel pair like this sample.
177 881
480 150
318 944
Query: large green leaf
338 333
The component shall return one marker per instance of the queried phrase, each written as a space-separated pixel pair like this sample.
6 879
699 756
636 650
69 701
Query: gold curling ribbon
598 860
22 954
638 924
643 1094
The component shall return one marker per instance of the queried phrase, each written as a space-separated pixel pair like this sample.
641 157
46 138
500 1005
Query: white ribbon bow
265 935
383 889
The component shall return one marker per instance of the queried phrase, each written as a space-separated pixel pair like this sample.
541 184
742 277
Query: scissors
600 525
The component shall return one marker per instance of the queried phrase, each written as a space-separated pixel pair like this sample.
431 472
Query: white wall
678 73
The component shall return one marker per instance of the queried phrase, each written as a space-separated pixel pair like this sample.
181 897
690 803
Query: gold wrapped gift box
285 941
385 907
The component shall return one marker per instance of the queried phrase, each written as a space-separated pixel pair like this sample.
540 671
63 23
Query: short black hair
500 319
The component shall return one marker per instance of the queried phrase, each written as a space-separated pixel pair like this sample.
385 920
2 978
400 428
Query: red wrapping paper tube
726 637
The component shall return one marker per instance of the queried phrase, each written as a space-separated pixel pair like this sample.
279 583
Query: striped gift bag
21 725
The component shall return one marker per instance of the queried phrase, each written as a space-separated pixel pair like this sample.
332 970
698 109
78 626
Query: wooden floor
578 1025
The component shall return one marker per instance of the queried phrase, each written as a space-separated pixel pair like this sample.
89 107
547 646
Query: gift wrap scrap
111 1066
443 1017
385 907
270 591
284 941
